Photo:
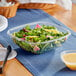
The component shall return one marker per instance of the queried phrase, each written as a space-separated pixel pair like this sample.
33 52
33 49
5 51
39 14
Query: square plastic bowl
44 46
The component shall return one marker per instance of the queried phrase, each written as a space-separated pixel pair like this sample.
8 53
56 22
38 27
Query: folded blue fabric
47 64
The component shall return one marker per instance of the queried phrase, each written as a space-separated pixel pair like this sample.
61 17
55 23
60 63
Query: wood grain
14 67
66 17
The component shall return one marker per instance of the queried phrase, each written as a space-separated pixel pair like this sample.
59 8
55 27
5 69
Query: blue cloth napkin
47 64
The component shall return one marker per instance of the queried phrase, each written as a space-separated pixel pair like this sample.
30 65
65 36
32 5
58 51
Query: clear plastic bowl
69 58
43 46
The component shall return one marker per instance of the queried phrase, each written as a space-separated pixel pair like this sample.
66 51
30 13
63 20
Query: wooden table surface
14 67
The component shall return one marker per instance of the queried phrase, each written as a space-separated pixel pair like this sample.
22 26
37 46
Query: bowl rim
13 52
8 32
3 48
67 52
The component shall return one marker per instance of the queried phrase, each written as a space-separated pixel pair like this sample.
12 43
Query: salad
37 39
